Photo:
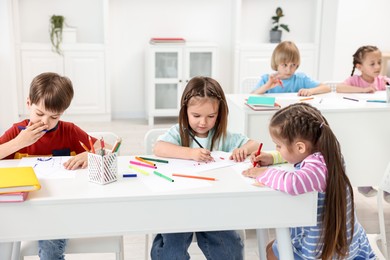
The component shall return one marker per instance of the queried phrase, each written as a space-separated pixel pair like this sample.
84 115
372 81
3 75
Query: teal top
228 144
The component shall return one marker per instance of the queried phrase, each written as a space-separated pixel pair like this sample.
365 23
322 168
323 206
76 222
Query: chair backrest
248 84
108 137
385 183
151 138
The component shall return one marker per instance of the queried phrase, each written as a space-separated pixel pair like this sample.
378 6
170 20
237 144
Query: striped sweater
309 176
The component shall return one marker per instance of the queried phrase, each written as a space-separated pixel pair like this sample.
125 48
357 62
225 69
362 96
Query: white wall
347 24
8 103
133 23
359 22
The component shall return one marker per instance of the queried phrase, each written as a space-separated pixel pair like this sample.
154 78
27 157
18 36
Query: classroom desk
362 128
70 208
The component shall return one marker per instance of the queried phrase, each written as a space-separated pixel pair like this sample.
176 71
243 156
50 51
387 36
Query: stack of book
16 183
167 41
262 103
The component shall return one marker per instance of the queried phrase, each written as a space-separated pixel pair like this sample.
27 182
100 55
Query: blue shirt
290 85
227 144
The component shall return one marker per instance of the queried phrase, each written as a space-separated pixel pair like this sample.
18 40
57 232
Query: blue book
261 101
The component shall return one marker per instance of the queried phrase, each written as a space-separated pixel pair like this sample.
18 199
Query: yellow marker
138 170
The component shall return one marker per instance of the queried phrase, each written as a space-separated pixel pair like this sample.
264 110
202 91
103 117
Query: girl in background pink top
368 60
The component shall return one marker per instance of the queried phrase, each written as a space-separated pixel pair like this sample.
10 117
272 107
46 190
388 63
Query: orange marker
193 177
144 161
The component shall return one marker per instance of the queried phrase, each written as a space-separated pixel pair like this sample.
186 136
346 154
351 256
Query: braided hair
360 54
303 121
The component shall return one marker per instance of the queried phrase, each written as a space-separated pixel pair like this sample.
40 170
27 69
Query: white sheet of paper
48 167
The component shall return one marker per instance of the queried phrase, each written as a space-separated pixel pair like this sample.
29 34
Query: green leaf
284 26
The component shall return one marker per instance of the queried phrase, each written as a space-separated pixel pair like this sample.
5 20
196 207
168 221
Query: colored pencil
193 138
352 99
193 177
376 101
84 146
258 153
304 99
91 144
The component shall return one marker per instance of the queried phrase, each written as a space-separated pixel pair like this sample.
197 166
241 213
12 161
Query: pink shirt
357 81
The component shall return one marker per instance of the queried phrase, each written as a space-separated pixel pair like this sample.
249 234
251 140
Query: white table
362 128
78 208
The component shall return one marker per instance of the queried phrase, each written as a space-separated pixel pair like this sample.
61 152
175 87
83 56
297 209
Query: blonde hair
285 52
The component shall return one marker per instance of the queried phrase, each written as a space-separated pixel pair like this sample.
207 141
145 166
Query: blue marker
376 101
129 175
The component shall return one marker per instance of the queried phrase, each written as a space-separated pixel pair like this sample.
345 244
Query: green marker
163 176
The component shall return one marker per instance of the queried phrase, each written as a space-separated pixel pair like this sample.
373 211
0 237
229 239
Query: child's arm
272 82
264 159
344 88
166 149
320 89
240 154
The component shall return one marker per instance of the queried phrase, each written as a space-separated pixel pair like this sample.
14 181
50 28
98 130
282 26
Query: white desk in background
75 207
362 128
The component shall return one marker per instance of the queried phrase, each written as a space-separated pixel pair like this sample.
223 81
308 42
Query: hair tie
323 123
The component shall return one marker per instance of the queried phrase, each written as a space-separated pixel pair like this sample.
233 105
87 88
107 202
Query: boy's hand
201 155
76 162
305 92
273 81
31 134
254 172
239 154
264 159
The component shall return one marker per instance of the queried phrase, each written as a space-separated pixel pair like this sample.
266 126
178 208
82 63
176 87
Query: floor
132 133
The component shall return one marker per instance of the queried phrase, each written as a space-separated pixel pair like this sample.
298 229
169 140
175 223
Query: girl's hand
201 155
239 154
370 89
254 172
305 92
31 134
264 159
76 162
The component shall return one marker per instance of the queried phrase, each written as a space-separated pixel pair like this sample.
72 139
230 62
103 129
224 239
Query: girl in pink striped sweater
303 137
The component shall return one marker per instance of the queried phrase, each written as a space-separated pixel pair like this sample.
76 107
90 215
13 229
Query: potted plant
56 27
275 33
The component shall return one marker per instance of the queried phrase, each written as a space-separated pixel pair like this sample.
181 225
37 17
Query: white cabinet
83 61
168 70
84 66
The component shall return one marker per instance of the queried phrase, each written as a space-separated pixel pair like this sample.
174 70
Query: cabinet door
199 61
166 81
34 63
86 70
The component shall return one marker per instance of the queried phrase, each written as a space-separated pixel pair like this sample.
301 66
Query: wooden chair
112 244
149 141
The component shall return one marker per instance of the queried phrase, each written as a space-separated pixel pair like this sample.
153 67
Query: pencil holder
103 169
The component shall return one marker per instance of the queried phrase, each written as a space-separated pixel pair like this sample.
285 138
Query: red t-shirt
62 140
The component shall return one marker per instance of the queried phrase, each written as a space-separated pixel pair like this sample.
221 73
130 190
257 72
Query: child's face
294 153
371 64
202 115
38 113
286 70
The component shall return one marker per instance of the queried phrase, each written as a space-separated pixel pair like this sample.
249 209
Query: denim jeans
52 249
215 245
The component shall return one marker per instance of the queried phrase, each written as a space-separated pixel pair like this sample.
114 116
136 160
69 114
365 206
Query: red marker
280 83
258 153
